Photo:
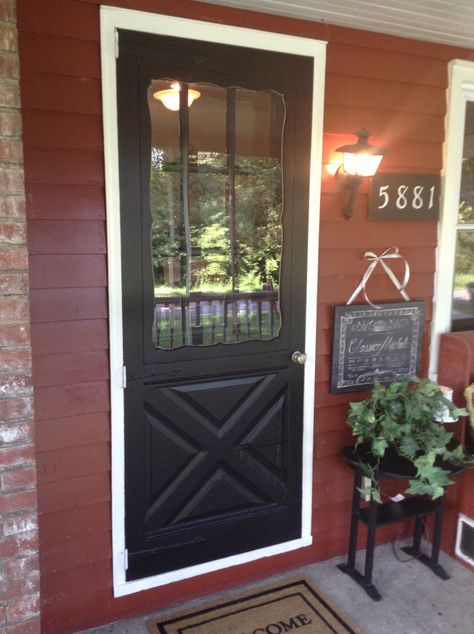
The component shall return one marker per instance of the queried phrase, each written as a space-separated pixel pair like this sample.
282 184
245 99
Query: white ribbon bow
374 259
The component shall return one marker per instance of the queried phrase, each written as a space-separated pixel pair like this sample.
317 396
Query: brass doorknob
299 357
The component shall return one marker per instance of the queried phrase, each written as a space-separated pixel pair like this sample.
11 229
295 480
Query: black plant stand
375 515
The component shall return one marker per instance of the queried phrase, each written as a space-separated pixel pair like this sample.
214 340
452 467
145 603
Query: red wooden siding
392 86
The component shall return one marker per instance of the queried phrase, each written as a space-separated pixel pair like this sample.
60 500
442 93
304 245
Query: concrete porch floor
415 601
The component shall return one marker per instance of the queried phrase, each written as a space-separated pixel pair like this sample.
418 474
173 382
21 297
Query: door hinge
116 43
124 558
124 376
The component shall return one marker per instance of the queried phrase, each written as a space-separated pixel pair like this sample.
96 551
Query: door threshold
123 587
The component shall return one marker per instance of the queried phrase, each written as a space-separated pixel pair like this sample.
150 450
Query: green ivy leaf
416 487
409 446
375 494
378 446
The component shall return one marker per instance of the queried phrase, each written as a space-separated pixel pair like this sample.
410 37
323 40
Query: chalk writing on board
372 344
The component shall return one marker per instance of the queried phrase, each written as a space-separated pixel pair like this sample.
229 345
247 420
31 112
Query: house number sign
404 197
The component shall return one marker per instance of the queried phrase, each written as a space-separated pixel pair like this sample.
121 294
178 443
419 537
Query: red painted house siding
393 86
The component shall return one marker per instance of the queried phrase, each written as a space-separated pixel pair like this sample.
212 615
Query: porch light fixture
360 159
170 97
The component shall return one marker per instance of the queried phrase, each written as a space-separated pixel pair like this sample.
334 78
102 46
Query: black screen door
214 145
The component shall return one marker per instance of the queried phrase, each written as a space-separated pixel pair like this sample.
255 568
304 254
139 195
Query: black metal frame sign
375 344
404 197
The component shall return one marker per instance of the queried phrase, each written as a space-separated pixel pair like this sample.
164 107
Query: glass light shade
170 97
361 164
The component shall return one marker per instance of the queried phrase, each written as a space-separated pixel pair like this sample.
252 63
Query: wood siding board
57 237
64 369
67 271
69 400
329 543
412 154
400 234
73 462
64 130
68 304
90 577
59 495
66 612
381 42
419 70
325 317
332 516
332 418
333 263
413 126
63 166
39 54
59 17
64 202
73 431
328 469
337 490
69 523
73 336
325 398
77 551
378 288
385 94
323 367
332 443
60 93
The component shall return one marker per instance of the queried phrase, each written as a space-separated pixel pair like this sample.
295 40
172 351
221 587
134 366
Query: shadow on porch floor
415 601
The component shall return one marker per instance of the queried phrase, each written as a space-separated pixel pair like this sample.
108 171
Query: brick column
19 566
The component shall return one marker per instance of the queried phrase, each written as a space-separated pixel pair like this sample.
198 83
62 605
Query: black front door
214 145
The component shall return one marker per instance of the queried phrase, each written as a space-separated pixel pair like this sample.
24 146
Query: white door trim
113 18
460 90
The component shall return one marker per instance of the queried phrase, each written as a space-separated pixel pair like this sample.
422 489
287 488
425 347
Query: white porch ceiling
442 21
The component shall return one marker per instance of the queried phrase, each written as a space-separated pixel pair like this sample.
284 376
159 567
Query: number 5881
410 197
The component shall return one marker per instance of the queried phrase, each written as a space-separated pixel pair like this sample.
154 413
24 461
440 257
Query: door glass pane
463 299
216 206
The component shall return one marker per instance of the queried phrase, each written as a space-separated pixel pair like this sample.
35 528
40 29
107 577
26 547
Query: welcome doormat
292 606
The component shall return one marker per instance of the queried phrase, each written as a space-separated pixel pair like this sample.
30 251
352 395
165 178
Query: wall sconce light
170 97
360 159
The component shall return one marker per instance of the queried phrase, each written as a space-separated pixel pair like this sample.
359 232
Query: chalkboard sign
404 197
370 344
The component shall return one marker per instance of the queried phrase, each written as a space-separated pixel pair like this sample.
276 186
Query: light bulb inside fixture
170 97
361 164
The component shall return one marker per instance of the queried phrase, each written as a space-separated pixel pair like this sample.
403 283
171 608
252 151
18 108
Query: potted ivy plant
402 417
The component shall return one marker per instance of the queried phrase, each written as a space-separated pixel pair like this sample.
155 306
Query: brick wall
19 567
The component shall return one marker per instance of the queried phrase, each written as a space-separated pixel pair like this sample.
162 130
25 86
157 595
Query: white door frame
113 18
460 91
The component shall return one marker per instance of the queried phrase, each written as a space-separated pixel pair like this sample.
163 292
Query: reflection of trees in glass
464 253
466 198
258 207
214 247
465 238
258 221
